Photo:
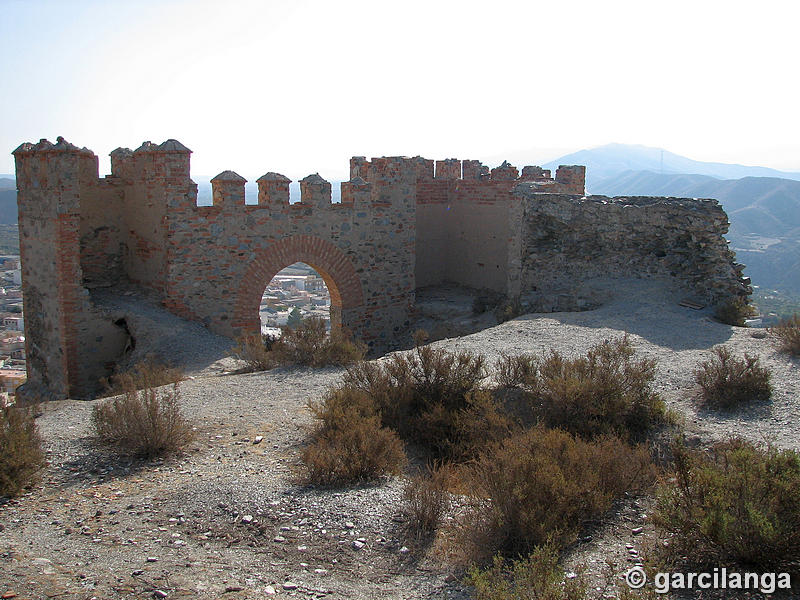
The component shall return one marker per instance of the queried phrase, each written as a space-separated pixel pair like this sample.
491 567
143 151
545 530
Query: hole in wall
130 345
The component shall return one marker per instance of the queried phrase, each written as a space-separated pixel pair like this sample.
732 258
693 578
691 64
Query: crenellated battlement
402 223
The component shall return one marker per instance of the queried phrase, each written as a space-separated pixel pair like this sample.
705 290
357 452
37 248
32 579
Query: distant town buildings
12 329
297 286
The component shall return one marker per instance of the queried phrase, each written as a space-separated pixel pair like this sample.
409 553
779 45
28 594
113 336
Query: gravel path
227 520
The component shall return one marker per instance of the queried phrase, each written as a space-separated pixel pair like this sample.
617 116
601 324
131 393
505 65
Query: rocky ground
226 519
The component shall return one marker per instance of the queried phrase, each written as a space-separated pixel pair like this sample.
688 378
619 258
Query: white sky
300 86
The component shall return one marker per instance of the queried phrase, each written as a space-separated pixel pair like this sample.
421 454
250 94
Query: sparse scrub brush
426 500
148 422
516 370
148 373
349 445
256 353
541 485
734 312
536 577
305 344
737 503
21 455
726 381
431 397
606 391
508 309
787 335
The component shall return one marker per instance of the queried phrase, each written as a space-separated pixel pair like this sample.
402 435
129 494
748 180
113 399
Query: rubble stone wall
571 239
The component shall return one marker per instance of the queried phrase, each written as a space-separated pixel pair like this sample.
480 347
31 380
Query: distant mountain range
613 159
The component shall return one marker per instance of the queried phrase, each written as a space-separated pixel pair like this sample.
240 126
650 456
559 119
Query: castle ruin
402 224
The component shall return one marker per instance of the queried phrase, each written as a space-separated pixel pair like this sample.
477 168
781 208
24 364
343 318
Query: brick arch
329 261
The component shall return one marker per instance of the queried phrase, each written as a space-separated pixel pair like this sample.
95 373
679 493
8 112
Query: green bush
349 445
726 381
537 577
738 503
541 485
787 335
148 422
606 391
21 455
432 398
734 312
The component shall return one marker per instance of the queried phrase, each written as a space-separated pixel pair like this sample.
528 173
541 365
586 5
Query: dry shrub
426 500
509 309
309 344
148 373
541 485
537 577
486 300
255 352
726 381
606 391
787 335
349 445
739 502
21 455
148 422
734 312
432 398
516 370
306 344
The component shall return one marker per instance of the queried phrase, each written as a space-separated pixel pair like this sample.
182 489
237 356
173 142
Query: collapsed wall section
568 240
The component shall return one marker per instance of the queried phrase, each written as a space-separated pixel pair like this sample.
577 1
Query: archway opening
297 292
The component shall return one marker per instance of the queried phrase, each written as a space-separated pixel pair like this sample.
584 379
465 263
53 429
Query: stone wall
568 240
403 223
69 344
142 225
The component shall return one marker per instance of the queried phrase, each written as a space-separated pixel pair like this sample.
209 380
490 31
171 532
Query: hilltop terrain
226 518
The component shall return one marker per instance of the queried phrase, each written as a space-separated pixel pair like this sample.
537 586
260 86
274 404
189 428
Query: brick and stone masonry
403 223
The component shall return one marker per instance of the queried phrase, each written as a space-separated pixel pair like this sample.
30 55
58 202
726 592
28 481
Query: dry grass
148 422
727 382
787 335
21 455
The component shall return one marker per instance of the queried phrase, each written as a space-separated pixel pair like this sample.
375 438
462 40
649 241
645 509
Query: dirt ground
226 518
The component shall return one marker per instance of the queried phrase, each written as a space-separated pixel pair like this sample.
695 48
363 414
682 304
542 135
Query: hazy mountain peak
614 159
